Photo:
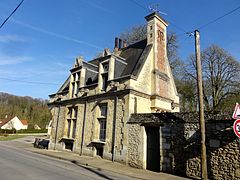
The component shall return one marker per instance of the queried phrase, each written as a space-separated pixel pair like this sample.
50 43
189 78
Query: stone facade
180 147
91 109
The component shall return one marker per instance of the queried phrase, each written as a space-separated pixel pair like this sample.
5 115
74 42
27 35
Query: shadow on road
90 169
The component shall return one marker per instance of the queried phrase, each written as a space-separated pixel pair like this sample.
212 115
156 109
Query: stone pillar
82 77
100 80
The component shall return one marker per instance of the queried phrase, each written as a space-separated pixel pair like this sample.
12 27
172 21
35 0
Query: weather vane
155 8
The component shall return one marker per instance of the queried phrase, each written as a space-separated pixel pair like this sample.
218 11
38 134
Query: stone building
91 109
173 144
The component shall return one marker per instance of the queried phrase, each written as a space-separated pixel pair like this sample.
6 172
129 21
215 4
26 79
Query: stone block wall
135 146
58 118
180 146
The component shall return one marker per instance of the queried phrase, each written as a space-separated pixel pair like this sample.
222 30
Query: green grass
10 137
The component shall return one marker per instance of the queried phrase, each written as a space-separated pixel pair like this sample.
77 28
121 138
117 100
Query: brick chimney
157 36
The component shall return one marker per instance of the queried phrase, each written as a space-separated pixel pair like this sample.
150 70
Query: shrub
7 131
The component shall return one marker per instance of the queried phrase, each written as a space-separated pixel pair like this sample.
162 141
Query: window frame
102 120
72 122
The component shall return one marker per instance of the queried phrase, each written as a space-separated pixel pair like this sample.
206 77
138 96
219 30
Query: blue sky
41 40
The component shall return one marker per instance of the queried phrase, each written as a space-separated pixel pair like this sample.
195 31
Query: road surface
15 163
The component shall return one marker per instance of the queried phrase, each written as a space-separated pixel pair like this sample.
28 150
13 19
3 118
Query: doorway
153 149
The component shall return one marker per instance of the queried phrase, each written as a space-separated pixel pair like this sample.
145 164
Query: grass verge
10 137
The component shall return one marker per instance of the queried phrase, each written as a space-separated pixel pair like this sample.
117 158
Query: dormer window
75 83
105 67
105 76
104 83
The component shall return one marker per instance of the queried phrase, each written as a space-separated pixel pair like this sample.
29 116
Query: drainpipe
56 131
83 127
114 126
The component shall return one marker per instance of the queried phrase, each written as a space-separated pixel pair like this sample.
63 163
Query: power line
146 9
217 19
11 14
140 5
29 82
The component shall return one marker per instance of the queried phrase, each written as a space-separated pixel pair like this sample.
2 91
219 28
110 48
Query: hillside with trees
33 110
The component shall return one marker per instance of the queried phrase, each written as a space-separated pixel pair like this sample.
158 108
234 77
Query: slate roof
179 117
133 56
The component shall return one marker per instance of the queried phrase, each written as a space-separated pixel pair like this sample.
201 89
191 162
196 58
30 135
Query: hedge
7 131
22 131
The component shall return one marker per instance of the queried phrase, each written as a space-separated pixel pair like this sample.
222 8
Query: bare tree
139 32
221 74
134 34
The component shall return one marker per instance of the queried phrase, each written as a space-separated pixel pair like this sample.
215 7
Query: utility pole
204 174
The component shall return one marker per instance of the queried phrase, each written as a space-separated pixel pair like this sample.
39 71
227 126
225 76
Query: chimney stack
120 43
124 44
116 44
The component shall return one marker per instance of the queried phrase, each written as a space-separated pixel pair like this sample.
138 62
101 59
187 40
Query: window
102 122
105 75
73 89
78 76
69 113
69 127
105 67
102 131
74 129
103 110
89 81
72 122
75 83
104 79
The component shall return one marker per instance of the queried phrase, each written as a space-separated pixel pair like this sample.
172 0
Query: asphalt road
17 164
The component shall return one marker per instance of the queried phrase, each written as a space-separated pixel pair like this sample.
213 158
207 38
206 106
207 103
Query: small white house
13 123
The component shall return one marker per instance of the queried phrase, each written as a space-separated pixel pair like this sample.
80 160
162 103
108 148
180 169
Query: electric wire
11 14
29 82
217 19
170 21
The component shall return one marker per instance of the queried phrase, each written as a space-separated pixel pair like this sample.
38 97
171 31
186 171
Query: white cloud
10 60
60 36
12 38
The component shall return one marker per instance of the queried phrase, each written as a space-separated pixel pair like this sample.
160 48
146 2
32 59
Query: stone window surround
102 121
75 83
71 122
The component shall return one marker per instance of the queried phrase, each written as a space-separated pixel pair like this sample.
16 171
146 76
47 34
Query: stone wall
135 146
58 115
180 144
